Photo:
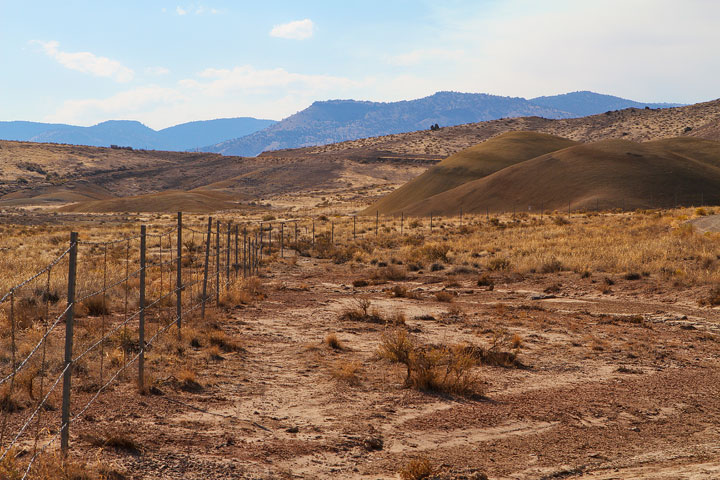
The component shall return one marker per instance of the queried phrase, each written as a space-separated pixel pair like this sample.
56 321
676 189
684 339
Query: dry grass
347 371
332 341
361 312
417 469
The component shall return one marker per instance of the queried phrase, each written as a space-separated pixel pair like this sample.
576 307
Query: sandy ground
621 384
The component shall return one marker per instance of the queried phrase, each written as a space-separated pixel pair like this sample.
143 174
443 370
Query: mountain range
340 120
128 133
321 123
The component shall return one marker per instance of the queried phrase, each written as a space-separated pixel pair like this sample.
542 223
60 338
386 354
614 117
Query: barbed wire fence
130 292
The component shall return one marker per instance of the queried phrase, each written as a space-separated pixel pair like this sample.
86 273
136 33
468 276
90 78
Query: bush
417 469
551 266
498 264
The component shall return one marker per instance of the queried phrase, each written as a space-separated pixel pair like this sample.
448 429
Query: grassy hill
470 164
606 174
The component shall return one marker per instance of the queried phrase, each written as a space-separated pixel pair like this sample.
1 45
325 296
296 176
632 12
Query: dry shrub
394 273
348 372
214 353
498 263
432 252
243 292
223 341
398 291
485 281
52 467
360 283
332 341
502 351
417 469
120 442
432 369
186 377
551 266
444 296
713 297
96 306
361 312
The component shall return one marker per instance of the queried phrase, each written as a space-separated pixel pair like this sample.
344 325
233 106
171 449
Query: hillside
629 124
582 104
470 164
606 174
186 136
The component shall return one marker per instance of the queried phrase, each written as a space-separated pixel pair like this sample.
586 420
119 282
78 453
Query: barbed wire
44 270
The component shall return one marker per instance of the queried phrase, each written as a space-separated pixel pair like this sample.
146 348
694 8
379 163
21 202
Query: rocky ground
617 378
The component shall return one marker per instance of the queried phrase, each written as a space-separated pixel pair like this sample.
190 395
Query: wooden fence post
178 283
207 264
69 316
141 326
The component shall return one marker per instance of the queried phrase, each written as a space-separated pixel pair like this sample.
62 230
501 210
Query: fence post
207 264
217 263
431 224
461 220
141 327
178 286
261 239
235 265
69 316
402 222
487 213
245 253
227 257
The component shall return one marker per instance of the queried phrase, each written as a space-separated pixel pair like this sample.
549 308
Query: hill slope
585 103
470 164
605 174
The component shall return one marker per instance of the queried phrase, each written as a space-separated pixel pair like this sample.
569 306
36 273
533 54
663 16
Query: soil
618 382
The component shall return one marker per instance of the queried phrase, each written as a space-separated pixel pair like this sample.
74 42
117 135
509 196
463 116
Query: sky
169 62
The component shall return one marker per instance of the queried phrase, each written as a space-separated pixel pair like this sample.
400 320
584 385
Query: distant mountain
582 104
339 120
128 133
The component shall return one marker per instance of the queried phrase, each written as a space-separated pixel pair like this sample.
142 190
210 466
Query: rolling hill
606 174
470 164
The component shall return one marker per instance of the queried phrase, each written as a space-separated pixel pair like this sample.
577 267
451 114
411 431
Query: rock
373 443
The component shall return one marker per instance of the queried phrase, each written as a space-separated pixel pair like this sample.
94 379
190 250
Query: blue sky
164 62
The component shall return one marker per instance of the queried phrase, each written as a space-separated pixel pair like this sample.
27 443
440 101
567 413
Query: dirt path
622 384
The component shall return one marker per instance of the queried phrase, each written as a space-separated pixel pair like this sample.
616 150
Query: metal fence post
227 257
236 266
178 283
217 264
141 327
207 264
69 316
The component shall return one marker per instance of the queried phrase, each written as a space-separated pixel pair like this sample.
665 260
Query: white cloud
87 62
420 56
157 71
212 93
297 30
197 9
